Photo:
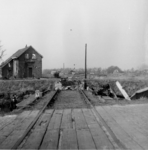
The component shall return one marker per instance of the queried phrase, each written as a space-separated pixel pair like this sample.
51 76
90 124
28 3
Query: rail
23 107
103 124
16 145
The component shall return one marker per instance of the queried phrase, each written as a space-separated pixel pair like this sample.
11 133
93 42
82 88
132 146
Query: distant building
115 71
25 63
72 72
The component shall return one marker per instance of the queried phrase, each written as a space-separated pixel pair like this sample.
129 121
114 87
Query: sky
116 31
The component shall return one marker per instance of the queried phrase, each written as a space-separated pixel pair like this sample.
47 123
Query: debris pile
106 90
140 94
58 86
65 84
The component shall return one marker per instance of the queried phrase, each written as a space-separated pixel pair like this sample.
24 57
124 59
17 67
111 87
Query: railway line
116 143
36 115
65 120
32 103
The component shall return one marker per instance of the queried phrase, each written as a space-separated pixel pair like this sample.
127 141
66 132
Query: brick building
25 63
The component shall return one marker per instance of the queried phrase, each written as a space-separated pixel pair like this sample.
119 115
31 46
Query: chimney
26 46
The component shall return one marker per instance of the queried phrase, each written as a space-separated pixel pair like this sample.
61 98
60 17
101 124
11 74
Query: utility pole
63 66
85 84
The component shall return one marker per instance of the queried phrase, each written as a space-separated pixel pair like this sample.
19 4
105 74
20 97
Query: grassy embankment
23 87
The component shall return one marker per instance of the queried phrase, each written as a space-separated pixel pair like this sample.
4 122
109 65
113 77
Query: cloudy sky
116 31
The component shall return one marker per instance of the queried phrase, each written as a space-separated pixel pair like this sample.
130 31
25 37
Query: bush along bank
13 92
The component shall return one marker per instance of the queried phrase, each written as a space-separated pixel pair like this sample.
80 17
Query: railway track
33 104
41 113
116 143
55 128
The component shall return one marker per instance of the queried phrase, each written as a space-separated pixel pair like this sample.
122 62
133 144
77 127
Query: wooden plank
9 120
24 114
17 129
100 138
5 120
7 130
66 119
85 140
129 126
11 139
79 119
34 140
90 118
50 140
55 121
32 98
69 139
27 121
121 134
27 101
44 120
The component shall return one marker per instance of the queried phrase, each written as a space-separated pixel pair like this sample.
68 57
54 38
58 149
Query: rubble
58 86
105 90
140 93
68 88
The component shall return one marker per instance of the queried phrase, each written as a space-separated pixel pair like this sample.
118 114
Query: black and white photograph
74 74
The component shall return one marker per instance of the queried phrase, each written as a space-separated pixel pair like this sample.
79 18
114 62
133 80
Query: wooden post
85 84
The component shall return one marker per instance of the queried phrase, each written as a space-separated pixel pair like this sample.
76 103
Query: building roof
16 55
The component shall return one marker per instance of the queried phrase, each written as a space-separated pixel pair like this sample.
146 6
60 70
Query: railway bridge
70 120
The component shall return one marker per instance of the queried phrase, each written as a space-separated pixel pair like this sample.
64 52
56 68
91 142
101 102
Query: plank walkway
129 123
78 128
27 101
32 98
57 129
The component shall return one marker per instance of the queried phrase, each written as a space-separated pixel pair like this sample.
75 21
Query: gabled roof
17 54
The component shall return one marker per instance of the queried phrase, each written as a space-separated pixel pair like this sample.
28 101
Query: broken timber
122 91
140 93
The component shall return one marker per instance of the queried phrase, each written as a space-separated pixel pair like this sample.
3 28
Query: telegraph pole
85 84
63 66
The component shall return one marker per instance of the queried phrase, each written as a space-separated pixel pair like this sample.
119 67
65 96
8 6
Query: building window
33 56
27 56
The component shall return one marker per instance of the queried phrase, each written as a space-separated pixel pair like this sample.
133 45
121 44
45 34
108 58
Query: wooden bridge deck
77 128
67 129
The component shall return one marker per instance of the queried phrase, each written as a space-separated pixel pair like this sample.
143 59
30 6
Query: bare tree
2 52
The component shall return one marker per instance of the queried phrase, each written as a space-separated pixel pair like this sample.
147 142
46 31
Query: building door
30 72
